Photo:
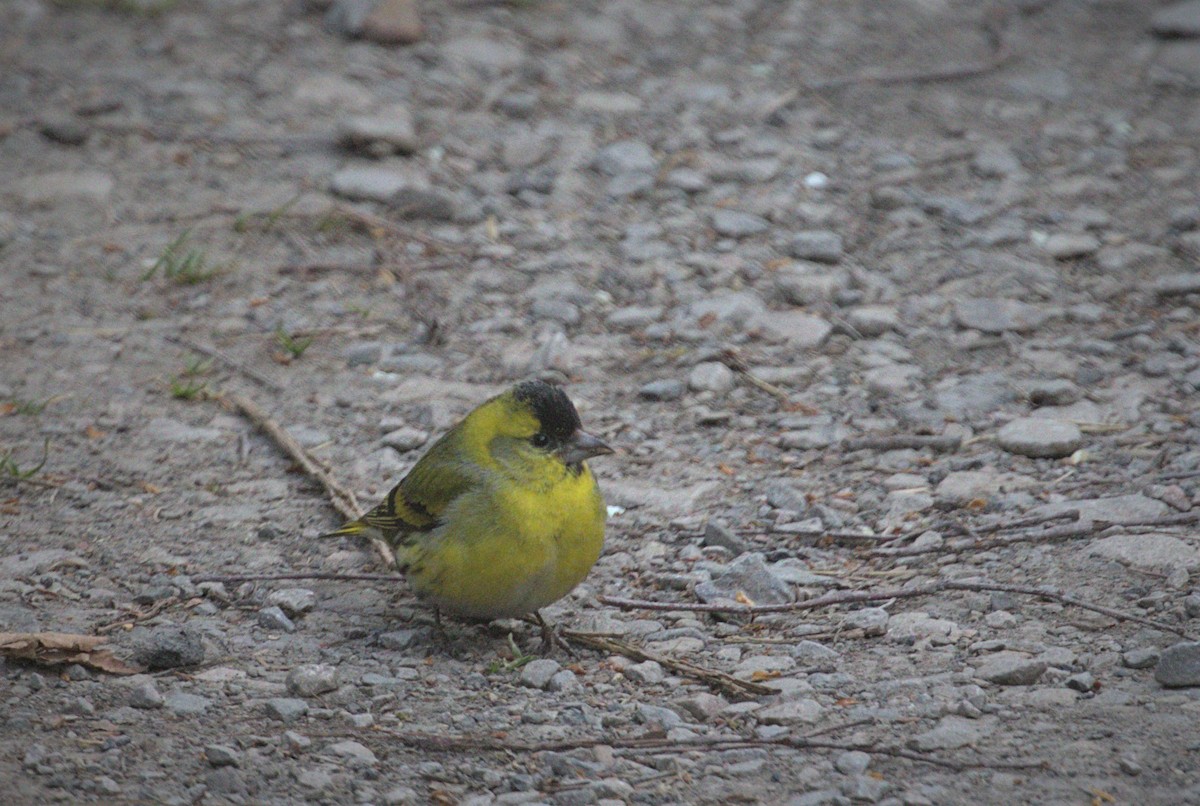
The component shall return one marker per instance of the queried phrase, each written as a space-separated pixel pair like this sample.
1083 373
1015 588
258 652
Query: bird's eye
541 440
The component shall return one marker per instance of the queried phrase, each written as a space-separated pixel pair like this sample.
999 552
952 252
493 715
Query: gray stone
736 224
312 680
633 317
792 712
717 535
1040 438
1149 552
852 762
667 389
625 156
711 376
813 655
369 183
998 315
401 796
168 647
564 681
388 129
405 439
871 620
1081 681
363 353
222 755
353 751
734 308
423 204
1056 392
975 394
286 709
800 330
810 283
485 54
538 673
1071 245
996 161
953 732
1011 669
1177 20
1131 508
702 706
293 601
748 576
65 187
146 695
873 320
648 672
1179 666
782 495
273 618
657 715
821 246
398 640
1177 284
1142 658
184 704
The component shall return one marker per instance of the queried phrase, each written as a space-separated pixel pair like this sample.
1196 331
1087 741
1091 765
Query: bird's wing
416 504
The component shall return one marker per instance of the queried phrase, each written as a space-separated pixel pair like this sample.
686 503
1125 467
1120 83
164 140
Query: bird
502 515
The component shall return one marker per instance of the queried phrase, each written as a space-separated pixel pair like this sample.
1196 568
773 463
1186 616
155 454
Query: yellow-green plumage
502 516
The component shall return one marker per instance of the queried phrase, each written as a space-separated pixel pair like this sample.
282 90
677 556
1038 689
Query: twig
734 361
293 577
137 615
227 360
343 499
1032 520
719 680
938 442
857 597
1082 528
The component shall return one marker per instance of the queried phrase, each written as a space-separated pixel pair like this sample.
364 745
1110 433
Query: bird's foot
552 638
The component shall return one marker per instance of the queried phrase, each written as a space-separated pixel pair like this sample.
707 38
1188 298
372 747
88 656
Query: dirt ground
857 288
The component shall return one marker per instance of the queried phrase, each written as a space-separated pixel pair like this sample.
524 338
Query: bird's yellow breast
506 549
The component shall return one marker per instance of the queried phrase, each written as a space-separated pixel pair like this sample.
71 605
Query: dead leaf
54 648
743 599
762 675
8 407
93 432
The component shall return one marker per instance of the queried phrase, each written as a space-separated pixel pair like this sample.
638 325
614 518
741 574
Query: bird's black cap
553 409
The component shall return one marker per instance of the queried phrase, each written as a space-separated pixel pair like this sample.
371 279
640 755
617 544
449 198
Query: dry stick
342 498
294 577
720 680
937 442
856 597
227 360
1083 528
138 615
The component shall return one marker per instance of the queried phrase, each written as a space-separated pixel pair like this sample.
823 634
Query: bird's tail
355 527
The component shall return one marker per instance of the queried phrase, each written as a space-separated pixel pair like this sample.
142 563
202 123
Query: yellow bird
502 516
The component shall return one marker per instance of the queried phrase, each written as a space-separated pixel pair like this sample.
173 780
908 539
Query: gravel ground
852 285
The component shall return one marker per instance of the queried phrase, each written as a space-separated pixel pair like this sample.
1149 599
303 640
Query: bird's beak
580 446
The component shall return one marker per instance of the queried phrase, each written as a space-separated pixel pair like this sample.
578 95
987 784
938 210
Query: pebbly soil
915 219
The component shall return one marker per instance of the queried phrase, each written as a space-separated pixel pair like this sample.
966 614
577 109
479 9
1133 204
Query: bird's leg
551 637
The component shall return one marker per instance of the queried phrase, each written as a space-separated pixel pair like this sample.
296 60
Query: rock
998 315
625 156
669 389
702 706
733 308
368 183
821 246
65 187
286 709
782 495
746 577
633 317
312 680
736 224
717 535
711 376
953 732
273 618
538 673
871 620
169 647
915 624
1011 669
564 681
1149 552
800 330
405 439
657 715
293 601
1057 392
417 203
1082 681
1179 665
146 695
815 655
389 129
354 751
810 283
873 320
1177 20
1140 658
1132 508
363 353
184 704
1040 438
792 712
1071 245
648 672
996 161
961 487
221 755
852 762
1177 284
394 22
486 55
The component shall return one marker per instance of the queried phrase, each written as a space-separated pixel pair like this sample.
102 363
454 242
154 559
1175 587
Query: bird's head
534 427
